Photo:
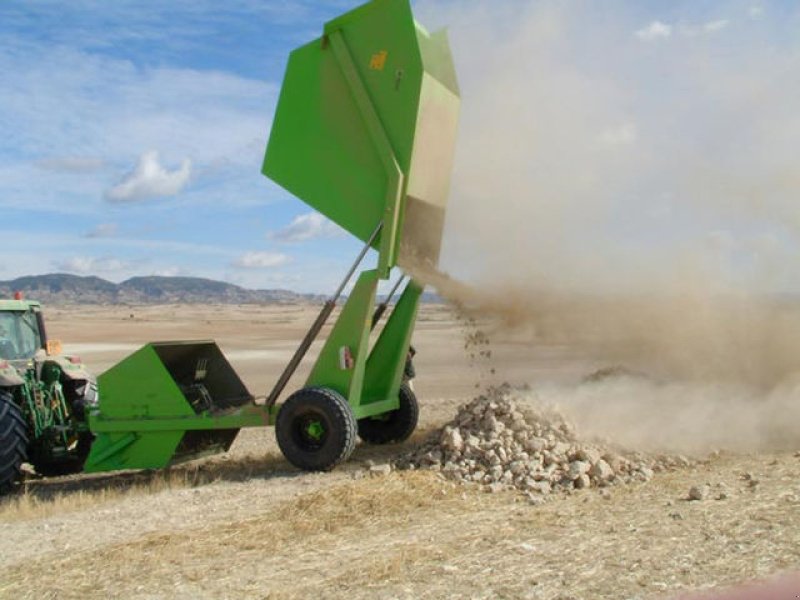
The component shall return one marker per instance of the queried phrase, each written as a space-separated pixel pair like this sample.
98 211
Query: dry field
247 525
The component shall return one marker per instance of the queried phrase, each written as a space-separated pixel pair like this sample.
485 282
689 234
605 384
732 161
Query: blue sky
133 133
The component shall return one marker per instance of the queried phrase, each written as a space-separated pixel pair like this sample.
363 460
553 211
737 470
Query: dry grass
414 535
44 497
316 519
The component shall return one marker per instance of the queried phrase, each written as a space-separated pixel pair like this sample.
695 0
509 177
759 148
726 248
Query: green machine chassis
364 132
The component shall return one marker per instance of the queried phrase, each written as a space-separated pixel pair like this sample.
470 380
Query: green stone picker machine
364 132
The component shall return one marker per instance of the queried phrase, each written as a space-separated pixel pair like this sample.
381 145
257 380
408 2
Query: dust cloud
635 193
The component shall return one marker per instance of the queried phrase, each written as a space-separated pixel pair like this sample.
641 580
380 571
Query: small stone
452 440
601 471
560 448
449 568
583 482
698 492
578 468
383 469
646 473
541 487
589 455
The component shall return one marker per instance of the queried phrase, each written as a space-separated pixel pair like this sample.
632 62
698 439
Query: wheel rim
310 431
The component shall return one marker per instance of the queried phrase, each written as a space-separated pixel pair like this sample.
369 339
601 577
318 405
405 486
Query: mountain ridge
64 288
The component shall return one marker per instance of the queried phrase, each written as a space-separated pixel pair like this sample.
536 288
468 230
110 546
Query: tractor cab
22 331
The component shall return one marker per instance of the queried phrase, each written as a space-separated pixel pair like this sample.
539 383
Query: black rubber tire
13 442
396 426
339 429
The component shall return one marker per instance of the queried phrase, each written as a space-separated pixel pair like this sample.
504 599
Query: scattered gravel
498 441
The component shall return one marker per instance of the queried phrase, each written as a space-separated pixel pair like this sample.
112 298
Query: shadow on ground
199 473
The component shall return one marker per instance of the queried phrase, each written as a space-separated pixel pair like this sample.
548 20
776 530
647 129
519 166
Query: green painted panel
384 371
320 149
370 71
141 386
351 331
127 450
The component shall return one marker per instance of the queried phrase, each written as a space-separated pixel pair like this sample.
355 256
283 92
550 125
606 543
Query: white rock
452 440
647 473
601 471
383 469
578 468
536 445
590 455
541 487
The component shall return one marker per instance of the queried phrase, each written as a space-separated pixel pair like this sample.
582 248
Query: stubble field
248 525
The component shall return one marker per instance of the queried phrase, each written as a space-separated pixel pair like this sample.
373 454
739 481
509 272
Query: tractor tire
316 429
393 427
13 442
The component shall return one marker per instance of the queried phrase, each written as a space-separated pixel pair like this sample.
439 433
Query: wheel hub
315 430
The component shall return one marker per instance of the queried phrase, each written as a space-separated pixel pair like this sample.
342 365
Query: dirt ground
248 525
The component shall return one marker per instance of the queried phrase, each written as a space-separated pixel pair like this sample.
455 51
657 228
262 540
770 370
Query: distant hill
73 289
60 288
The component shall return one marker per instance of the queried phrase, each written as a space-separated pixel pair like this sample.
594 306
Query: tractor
44 397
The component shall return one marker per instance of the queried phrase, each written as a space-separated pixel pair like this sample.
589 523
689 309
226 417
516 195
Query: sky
132 141
133 134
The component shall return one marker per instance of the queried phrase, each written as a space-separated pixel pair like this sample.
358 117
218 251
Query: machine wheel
395 426
13 442
316 429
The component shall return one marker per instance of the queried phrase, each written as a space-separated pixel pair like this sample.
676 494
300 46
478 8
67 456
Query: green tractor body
364 132
44 398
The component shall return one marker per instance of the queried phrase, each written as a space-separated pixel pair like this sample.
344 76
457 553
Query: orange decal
378 61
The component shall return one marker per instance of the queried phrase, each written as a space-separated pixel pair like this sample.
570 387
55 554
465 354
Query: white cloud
310 226
71 164
756 12
84 265
103 230
709 28
718 25
150 180
260 260
624 135
655 31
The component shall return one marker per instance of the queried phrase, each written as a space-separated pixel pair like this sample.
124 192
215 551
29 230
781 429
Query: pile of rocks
499 441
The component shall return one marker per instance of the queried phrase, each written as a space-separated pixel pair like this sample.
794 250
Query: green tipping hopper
167 403
364 132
